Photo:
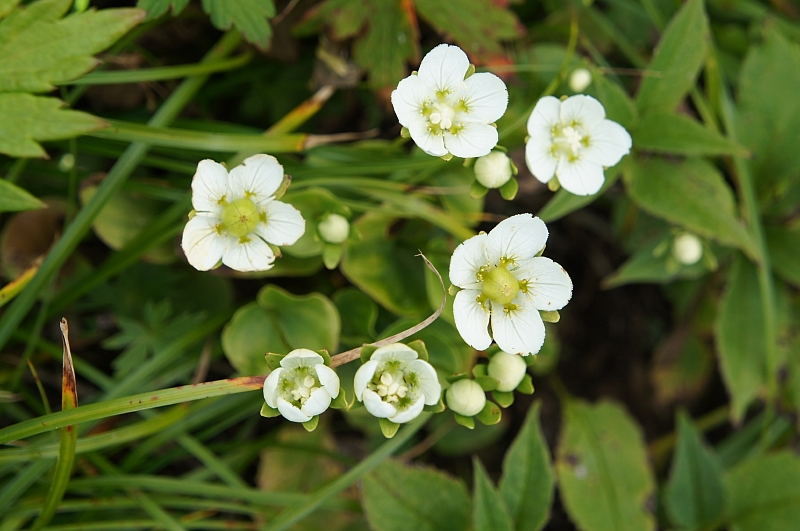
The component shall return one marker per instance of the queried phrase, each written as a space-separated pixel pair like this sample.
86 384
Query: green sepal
269 412
550 317
388 428
273 360
503 398
501 149
509 190
467 422
662 248
287 180
540 253
514 169
479 370
709 259
332 254
311 425
553 185
326 358
355 405
438 407
456 377
453 290
490 414
340 402
447 158
366 352
418 346
468 163
405 133
487 383
470 70
275 250
526 385
477 190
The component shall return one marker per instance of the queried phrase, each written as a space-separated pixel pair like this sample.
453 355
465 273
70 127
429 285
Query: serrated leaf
388 44
489 512
677 61
604 475
666 132
26 119
15 199
398 498
526 485
249 17
764 493
156 8
35 55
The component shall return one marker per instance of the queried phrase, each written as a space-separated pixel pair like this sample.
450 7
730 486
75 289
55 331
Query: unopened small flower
507 369
687 248
236 216
446 113
573 141
394 384
334 228
302 387
579 79
465 397
502 280
494 170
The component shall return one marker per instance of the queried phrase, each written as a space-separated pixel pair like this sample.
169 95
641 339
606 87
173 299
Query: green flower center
240 217
499 285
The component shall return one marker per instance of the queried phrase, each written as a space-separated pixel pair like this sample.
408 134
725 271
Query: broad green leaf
784 250
156 8
645 267
489 512
397 497
764 493
739 332
15 199
26 119
694 496
619 106
249 17
35 55
690 193
563 202
7 6
677 60
682 367
359 314
604 476
314 204
526 485
666 132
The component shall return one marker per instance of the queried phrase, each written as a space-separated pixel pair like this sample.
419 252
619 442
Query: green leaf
359 315
563 202
604 475
314 204
15 199
36 54
249 17
692 194
645 267
739 333
26 119
694 495
666 132
7 6
677 61
765 493
156 8
398 498
618 105
784 250
489 511
526 485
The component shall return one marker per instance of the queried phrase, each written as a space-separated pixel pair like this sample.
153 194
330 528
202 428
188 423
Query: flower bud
507 369
687 248
66 162
580 79
465 397
494 170
334 228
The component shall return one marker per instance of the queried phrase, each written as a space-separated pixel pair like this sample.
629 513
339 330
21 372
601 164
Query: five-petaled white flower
302 387
501 278
573 140
394 384
237 216
444 112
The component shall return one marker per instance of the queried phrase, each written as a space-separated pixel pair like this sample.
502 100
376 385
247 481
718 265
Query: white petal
408 99
271 387
540 160
291 412
444 68
545 115
284 224
519 237
467 259
201 242
520 331
585 110
474 139
329 379
376 406
428 381
258 176
410 413
427 142
580 177
394 352
254 255
209 186
486 97
608 143
363 376
549 285
317 403
472 321
301 357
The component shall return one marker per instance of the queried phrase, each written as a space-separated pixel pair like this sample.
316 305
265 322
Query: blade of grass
22 482
143 75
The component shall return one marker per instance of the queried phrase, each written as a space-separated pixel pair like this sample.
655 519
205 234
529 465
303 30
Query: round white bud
66 162
493 170
579 79
334 228
507 369
465 397
687 248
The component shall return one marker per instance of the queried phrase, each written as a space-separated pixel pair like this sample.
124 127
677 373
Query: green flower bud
507 369
494 170
334 228
465 397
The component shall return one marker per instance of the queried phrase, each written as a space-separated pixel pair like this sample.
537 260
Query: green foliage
764 493
489 512
784 249
680 135
156 8
13 198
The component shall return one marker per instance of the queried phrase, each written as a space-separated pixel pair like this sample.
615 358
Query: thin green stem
144 75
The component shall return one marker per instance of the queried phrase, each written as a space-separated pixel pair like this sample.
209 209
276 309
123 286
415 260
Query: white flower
579 79
302 387
501 278
395 385
507 369
334 228
444 112
573 140
687 248
494 170
237 216
465 397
